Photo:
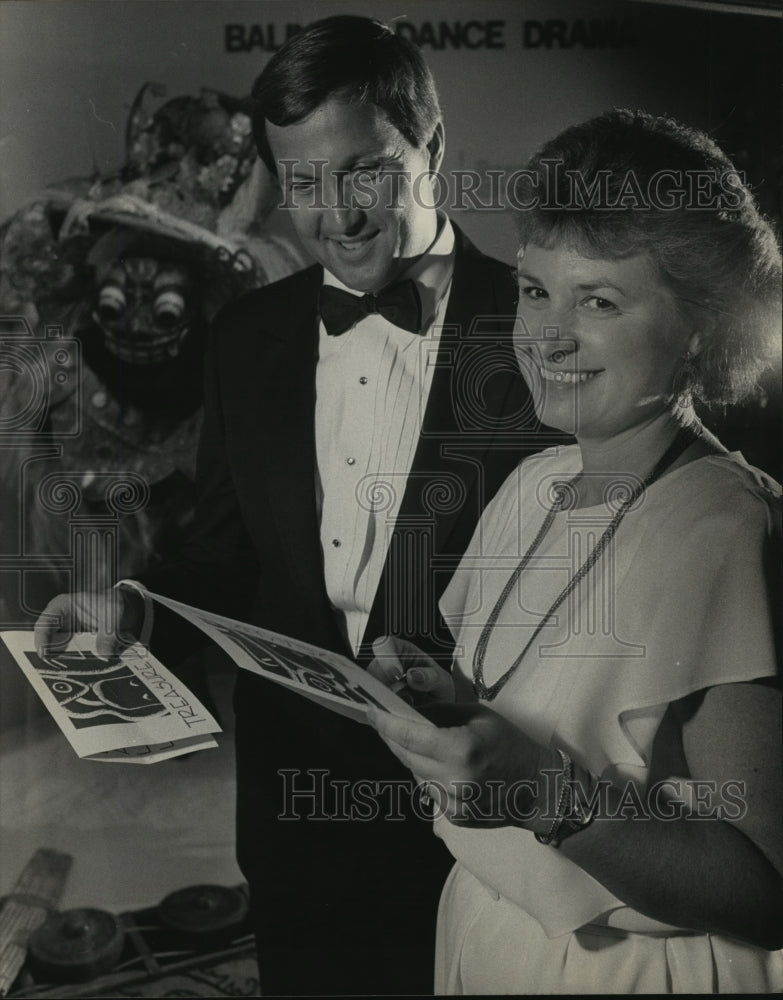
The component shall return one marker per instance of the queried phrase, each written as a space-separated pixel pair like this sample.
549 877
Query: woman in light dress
606 765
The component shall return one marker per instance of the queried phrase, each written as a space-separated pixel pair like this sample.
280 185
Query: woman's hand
409 672
480 769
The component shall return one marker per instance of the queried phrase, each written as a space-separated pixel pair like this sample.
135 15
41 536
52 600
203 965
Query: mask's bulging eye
169 309
111 303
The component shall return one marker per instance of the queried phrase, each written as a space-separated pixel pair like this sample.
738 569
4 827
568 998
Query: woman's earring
684 381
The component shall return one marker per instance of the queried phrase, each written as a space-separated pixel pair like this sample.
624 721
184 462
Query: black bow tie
400 304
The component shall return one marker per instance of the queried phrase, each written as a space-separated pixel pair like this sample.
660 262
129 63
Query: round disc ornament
76 945
202 910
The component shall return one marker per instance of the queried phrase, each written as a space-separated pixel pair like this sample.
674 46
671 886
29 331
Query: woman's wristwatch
576 805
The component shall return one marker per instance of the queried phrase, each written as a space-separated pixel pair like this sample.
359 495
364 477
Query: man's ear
436 147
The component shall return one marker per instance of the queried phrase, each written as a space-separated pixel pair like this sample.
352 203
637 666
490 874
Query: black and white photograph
400 385
125 708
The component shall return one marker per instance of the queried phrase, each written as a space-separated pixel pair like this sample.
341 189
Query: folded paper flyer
130 708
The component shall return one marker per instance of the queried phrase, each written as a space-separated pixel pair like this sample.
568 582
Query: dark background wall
510 75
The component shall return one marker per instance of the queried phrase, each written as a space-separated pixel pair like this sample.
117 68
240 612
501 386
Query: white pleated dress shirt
372 385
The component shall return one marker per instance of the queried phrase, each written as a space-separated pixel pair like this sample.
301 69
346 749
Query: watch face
576 806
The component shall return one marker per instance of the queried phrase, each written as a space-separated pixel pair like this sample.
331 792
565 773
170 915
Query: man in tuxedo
358 417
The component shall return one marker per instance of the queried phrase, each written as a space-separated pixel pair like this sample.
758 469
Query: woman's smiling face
598 341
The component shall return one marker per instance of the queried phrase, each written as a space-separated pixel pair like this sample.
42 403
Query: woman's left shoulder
726 484
747 476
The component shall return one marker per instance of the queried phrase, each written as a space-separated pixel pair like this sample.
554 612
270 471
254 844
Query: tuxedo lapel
447 418
453 442
455 413
285 431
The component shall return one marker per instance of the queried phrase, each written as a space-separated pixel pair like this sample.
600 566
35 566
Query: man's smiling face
359 193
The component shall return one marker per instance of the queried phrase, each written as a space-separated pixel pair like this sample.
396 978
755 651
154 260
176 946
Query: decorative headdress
189 156
191 185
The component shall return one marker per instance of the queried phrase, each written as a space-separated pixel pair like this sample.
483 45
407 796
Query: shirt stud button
351 461
336 542
363 380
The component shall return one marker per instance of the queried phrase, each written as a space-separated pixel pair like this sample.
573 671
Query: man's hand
480 769
409 672
116 615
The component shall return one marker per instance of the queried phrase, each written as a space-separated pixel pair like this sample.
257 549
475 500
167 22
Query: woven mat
225 976
236 977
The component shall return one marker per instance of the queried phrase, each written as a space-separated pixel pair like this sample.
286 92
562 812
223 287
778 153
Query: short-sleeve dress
680 601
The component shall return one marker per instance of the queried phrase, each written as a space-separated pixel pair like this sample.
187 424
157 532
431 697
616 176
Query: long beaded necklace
685 437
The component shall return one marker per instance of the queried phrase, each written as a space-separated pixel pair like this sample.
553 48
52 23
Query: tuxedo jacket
255 552
255 549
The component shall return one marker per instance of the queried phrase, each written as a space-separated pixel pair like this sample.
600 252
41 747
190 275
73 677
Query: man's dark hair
357 59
